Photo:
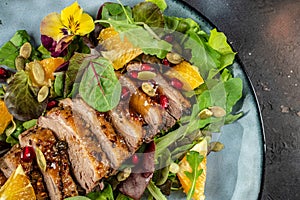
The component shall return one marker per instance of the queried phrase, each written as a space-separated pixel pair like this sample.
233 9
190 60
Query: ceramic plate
234 173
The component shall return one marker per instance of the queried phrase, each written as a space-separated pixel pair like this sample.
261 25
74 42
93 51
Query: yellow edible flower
70 22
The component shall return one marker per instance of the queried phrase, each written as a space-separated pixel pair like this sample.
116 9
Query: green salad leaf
105 194
100 87
194 159
149 13
115 11
20 99
10 50
73 72
141 37
160 3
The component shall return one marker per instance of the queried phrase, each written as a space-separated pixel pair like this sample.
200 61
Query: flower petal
86 25
52 26
71 15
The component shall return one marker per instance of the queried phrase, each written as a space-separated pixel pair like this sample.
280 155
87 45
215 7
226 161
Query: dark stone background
266 35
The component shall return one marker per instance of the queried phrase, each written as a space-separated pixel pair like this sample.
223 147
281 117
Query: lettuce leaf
20 99
10 50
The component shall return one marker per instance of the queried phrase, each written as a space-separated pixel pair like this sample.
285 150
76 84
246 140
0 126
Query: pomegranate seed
27 154
169 38
3 73
135 159
52 104
164 101
125 93
165 62
147 67
134 74
176 83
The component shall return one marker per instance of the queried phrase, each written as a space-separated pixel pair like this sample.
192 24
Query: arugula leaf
194 159
149 13
100 87
200 56
10 50
20 100
155 191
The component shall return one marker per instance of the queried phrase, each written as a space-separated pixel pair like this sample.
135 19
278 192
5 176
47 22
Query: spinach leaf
20 100
105 194
115 11
194 159
149 13
100 87
73 72
10 50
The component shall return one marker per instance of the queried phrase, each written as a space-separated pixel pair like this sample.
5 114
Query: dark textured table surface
266 35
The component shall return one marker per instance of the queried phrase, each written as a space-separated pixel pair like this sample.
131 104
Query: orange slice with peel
118 51
185 166
18 186
5 117
187 74
50 65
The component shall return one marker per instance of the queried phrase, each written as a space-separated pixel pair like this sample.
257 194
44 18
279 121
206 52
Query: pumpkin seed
43 93
216 146
146 75
205 113
217 111
25 50
122 176
20 63
148 89
174 168
174 58
38 73
40 158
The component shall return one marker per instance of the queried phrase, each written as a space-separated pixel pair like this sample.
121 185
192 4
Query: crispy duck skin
59 181
112 144
9 163
88 161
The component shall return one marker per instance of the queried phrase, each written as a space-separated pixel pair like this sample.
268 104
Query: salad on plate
122 105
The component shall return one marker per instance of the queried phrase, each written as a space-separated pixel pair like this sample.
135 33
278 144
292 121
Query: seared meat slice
127 126
88 161
9 163
57 176
177 102
3 178
142 104
112 144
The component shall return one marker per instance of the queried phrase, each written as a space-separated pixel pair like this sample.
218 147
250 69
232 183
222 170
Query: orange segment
118 51
5 117
18 186
50 65
184 166
187 74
